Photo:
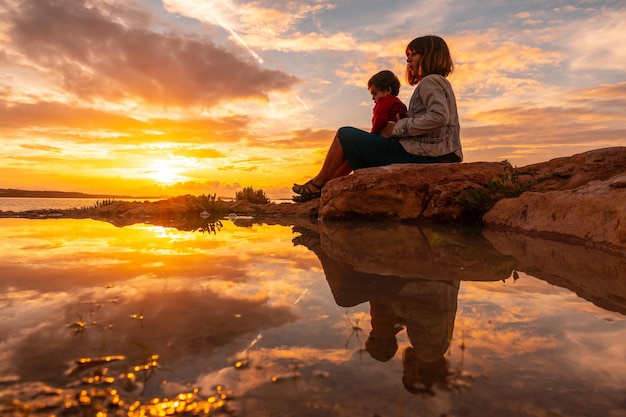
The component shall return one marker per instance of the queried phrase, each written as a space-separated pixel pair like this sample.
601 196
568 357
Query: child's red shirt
385 110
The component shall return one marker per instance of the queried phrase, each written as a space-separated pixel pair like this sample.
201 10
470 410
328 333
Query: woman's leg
335 165
343 170
365 150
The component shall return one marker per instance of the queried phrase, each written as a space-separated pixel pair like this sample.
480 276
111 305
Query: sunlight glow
163 172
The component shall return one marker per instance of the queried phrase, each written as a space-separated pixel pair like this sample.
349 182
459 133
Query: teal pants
365 150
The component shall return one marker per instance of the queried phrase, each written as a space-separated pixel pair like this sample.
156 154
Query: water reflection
353 256
360 260
595 275
411 278
361 320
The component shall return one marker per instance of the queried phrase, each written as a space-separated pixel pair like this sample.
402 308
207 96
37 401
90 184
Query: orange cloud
100 53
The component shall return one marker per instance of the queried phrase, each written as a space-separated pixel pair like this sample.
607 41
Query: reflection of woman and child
425 308
429 133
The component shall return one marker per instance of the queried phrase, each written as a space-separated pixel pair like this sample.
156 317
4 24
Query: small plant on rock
506 185
253 196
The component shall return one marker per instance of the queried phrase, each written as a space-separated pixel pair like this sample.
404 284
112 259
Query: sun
163 172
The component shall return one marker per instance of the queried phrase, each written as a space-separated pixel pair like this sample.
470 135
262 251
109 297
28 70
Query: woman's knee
346 130
348 134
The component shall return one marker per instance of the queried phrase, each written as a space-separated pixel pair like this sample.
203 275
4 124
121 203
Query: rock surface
582 197
594 214
574 171
407 192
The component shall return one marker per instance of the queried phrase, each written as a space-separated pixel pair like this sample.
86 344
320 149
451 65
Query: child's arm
379 119
385 111
396 111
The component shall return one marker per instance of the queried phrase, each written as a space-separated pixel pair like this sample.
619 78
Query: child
384 87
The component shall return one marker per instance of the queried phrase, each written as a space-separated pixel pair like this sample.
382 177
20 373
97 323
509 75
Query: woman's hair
435 57
385 80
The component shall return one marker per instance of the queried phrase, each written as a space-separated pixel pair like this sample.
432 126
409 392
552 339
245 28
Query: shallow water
272 320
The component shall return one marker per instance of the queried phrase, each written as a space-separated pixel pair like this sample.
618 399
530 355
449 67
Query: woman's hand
387 131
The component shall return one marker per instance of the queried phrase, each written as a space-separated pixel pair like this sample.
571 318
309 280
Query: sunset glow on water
248 320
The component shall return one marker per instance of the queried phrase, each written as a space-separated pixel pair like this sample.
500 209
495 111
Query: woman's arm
430 112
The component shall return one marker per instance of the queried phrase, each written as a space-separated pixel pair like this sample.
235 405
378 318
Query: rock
286 210
574 171
407 191
594 214
579 198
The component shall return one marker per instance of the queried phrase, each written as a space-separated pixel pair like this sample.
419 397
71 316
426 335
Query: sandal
308 238
302 198
306 192
306 187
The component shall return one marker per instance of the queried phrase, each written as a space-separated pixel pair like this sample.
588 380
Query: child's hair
435 58
385 80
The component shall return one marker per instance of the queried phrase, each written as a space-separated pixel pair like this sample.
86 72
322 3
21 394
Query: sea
19 204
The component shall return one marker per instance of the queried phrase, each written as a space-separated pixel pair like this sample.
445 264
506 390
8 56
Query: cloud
486 66
174 332
46 148
199 153
108 52
45 114
526 132
295 140
65 123
268 27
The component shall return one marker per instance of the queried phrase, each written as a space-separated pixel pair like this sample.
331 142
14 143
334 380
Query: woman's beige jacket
431 126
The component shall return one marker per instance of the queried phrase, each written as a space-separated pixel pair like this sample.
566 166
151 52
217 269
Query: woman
430 133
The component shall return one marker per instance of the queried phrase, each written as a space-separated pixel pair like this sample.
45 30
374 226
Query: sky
172 97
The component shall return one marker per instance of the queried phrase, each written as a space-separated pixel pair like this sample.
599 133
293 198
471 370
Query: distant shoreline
15 193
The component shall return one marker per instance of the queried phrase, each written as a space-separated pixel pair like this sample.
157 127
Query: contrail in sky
210 12
240 40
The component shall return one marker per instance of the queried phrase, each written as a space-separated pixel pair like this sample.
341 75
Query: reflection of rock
411 251
426 308
597 276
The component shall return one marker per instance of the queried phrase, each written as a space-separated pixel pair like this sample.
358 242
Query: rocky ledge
581 199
